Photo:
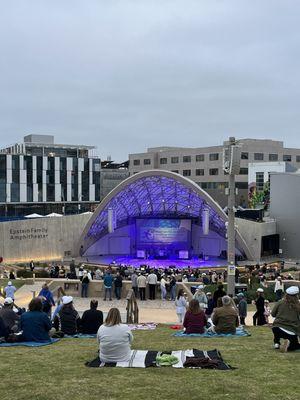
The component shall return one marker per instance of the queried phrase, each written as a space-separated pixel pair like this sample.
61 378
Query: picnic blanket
29 344
239 333
193 358
148 326
80 336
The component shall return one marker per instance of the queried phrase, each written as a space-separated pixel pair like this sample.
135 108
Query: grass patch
58 371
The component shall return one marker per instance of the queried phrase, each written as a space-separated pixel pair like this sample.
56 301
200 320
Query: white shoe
285 346
276 346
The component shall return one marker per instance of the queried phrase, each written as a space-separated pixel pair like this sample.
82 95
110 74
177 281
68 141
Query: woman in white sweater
114 338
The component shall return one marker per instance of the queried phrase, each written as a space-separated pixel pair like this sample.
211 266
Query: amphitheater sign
28 234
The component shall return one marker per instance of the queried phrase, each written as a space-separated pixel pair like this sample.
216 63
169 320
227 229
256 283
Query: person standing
279 288
242 307
286 324
163 288
142 282
47 299
134 284
181 305
107 282
10 290
31 266
152 282
118 281
85 284
219 293
173 286
259 316
200 296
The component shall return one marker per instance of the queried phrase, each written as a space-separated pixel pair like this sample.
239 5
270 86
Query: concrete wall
284 206
40 238
253 232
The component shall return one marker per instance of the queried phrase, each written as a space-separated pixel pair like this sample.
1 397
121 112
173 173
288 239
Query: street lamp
231 165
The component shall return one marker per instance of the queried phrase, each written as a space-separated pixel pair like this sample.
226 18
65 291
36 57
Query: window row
272 157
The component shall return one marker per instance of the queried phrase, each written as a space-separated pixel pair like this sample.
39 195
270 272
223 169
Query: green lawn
58 371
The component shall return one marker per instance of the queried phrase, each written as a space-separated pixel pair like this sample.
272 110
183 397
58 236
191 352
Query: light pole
231 165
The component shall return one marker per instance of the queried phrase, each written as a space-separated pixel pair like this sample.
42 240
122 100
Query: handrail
132 309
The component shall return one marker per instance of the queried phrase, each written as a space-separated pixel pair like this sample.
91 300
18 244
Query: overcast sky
127 75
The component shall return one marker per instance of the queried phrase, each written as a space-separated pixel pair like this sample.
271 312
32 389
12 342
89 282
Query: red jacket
194 323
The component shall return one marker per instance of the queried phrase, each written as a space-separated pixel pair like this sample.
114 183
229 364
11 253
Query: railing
132 309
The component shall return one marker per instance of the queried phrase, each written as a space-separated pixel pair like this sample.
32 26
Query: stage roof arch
156 193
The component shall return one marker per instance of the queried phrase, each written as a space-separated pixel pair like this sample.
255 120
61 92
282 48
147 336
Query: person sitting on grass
114 338
91 319
35 324
195 319
225 318
67 320
287 320
9 317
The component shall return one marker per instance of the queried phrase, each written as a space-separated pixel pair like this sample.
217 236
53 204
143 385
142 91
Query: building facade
204 165
43 177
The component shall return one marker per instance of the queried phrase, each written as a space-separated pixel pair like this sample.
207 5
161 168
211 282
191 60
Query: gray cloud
126 75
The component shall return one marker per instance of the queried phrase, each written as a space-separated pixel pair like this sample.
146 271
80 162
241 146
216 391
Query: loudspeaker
235 160
110 220
205 221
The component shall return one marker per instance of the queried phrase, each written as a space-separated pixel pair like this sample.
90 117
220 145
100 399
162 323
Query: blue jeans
107 290
84 289
118 292
173 292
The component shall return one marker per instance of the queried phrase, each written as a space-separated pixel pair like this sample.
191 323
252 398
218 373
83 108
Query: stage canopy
155 193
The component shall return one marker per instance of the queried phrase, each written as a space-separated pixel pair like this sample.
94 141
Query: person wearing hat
242 307
259 316
9 290
8 316
200 296
67 320
286 324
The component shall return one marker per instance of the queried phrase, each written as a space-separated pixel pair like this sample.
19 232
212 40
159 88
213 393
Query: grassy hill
58 371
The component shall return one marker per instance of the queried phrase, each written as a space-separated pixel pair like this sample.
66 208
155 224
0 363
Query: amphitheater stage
211 262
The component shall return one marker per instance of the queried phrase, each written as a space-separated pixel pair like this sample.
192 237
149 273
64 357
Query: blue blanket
239 332
29 344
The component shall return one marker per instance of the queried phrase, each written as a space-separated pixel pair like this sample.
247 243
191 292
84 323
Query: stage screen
174 233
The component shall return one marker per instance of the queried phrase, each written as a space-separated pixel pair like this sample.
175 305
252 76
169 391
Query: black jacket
67 320
91 321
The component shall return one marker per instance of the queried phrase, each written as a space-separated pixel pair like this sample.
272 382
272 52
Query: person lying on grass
114 338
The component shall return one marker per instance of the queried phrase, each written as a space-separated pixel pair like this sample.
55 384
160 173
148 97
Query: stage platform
211 262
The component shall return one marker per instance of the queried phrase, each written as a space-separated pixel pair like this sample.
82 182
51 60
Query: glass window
241 185
176 171
244 155
204 185
163 160
186 158
287 157
174 160
273 157
199 172
186 172
297 158
258 156
214 157
136 162
147 161
259 181
213 171
200 157
243 171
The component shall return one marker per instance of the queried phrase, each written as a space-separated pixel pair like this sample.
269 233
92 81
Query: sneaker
285 346
276 346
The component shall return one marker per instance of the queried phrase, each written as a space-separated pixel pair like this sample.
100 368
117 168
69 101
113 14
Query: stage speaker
110 220
205 221
235 160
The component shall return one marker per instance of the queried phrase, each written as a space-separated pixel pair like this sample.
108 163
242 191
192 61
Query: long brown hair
292 302
194 307
113 317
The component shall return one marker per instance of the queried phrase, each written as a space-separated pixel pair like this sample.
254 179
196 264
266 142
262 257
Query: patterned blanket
240 331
